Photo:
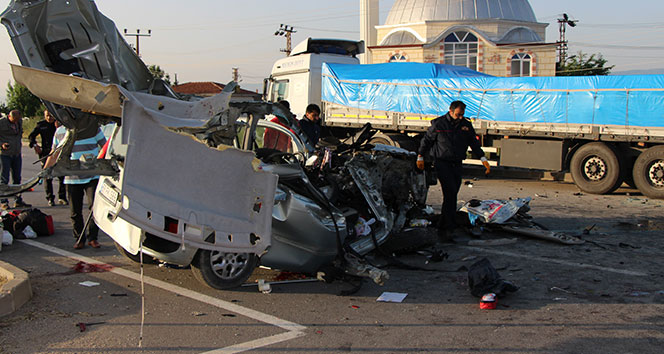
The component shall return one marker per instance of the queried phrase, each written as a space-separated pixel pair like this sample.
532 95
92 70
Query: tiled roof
205 88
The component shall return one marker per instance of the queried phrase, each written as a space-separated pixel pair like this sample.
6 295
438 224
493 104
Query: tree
158 73
582 65
18 97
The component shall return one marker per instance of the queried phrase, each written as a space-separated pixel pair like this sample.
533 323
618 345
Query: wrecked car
190 181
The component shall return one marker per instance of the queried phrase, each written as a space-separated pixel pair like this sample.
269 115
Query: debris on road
83 326
510 216
88 283
483 278
488 302
494 242
391 297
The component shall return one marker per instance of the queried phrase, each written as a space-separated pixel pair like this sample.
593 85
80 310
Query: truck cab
297 78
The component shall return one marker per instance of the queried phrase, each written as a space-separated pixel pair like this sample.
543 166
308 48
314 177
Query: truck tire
395 139
648 172
596 168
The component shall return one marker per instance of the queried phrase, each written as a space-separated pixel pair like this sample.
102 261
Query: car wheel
648 172
223 270
596 168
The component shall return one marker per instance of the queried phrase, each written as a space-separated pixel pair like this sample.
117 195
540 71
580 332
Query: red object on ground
49 225
488 302
83 267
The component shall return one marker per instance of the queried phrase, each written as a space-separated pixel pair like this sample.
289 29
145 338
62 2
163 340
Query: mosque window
520 64
461 49
398 57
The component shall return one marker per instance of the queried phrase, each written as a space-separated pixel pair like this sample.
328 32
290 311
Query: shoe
51 202
4 206
19 203
79 245
94 244
63 201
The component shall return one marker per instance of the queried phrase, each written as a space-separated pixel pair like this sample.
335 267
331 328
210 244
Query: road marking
558 261
294 330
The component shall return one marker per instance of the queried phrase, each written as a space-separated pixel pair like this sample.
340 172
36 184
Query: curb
16 292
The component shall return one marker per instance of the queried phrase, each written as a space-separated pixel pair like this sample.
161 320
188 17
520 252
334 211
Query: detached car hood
173 184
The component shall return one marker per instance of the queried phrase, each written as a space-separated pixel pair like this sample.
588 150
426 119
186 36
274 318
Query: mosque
496 37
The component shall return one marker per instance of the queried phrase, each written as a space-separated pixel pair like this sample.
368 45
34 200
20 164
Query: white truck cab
297 78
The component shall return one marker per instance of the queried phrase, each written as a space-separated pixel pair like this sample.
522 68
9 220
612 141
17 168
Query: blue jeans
13 164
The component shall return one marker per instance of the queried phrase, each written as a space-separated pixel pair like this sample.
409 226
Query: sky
204 39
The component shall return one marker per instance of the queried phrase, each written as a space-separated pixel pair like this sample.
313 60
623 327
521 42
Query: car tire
596 168
648 172
222 271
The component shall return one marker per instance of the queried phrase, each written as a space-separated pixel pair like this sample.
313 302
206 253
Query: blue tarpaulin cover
428 89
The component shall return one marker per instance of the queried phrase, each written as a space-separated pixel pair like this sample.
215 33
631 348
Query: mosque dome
411 11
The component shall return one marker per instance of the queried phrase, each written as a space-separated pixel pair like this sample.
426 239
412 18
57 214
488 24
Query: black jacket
46 130
448 139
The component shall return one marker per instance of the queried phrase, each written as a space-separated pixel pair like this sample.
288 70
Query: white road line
294 330
258 343
558 261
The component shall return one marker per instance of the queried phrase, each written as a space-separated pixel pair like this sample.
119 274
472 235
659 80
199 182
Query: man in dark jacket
11 132
447 140
45 129
310 123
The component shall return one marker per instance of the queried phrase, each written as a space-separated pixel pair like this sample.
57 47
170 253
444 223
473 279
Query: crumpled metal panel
96 46
172 175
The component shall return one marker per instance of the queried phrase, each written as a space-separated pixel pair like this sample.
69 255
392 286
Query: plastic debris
363 227
264 287
488 302
391 297
28 232
88 283
7 238
420 223
495 211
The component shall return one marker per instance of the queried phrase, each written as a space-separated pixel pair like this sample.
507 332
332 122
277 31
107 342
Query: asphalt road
604 296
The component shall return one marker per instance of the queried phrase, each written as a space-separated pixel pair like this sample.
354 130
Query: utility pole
562 43
236 74
287 32
138 34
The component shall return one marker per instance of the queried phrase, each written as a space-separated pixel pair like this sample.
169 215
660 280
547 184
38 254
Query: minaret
368 23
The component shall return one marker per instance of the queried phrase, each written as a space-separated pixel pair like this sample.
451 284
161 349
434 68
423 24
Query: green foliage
158 73
18 97
29 124
583 65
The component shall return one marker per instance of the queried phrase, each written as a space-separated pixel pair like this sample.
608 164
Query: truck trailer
604 130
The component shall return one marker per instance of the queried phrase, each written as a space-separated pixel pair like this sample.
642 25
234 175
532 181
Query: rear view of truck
605 130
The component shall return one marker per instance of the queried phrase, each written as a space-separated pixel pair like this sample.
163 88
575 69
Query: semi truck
603 130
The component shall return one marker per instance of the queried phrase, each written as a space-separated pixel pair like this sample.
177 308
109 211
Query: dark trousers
76 193
62 189
449 175
11 164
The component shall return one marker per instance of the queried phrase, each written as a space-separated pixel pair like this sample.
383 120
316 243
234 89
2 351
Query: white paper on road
391 297
88 283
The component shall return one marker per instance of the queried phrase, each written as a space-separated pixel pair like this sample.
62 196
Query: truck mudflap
174 186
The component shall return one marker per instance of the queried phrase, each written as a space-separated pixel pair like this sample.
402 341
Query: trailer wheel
648 172
395 139
596 168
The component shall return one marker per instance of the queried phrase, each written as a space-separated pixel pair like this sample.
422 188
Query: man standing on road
45 129
448 139
78 187
11 132
310 123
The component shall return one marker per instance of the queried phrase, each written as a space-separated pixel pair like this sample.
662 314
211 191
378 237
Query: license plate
109 193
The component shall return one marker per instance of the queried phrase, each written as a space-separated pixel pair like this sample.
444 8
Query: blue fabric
88 146
428 89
